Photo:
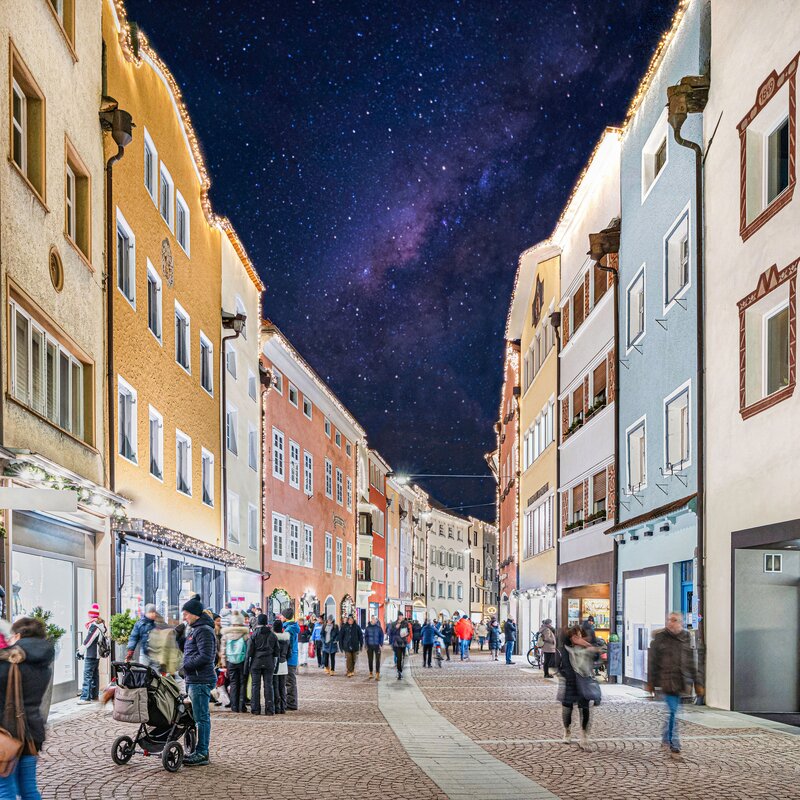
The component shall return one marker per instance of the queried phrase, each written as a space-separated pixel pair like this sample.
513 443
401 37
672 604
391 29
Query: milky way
385 164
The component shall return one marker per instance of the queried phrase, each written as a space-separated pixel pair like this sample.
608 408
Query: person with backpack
95 645
399 638
233 655
293 629
262 652
281 666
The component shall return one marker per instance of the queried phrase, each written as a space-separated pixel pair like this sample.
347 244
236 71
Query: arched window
330 607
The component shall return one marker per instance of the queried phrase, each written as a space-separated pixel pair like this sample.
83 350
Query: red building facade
377 498
309 494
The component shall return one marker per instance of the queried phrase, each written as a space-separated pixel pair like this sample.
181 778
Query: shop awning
649 516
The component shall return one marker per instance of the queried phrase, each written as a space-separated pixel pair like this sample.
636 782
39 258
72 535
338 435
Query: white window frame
328 479
659 133
278 454
339 555
252 446
154 416
294 464
252 386
232 429
308 473
293 390
348 563
180 311
685 388
252 527
129 235
20 125
206 343
207 471
765 319
293 540
308 408
349 493
163 174
308 546
181 205
327 427
630 342
180 436
70 199
154 173
639 423
773 563
278 537
123 387
339 486
231 360
685 214
338 439
233 518
155 279
328 552
277 381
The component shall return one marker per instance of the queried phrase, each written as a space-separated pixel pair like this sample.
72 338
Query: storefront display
245 588
582 602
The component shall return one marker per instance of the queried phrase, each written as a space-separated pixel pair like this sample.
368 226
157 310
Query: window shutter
599 485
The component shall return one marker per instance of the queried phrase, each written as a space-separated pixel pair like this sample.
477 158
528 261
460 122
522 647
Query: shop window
676 260
677 430
77 203
767 347
27 125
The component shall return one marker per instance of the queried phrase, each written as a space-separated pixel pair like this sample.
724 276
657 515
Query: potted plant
54 633
121 627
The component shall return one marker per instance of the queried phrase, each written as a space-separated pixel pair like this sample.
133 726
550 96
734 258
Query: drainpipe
555 321
603 244
690 97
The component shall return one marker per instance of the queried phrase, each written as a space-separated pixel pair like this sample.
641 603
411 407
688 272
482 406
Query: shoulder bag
13 732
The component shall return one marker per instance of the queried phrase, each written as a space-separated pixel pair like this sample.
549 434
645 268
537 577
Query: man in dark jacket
427 634
400 635
671 667
416 634
199 654
446 632
351 640
373 637
262 653
510 632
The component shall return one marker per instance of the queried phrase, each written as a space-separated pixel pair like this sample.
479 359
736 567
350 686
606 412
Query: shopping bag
312 652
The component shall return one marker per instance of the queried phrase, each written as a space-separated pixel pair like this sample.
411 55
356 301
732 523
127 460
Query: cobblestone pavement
339 746
513 714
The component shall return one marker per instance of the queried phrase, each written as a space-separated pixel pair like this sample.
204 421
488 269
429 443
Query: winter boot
567 736
371 676
377 676
585 741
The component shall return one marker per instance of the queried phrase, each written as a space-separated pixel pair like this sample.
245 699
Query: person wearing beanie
291 627
141 633
89 650
262 653
351 640
281 666
233 658
199 653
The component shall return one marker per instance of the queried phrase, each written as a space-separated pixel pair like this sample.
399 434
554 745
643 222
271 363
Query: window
577 405
294 464
182 222
460 561
182 337
348 449
277 454
776 350
378 567
441 557
308 546
208 477
655 155
339 487
27 125
349 561
150 165
156 444
233 518
636 309
153 301
338 556
451 560
440 588
599 385
677 432
126 260
77 198
578 310
278 523
46 377
277 381
230 359
349 494
293 395
328 552
637 457
252 527
676 259
576 506
252 447
600 281
328 428
308 473
338 439
449 591
773 562
294 541
127 413
538 528
328 479
307 407
460 591
183 463
252 385
65 11
232 430
166 188
206 364
433 555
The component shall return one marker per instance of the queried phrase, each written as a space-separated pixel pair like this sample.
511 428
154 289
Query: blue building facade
656 532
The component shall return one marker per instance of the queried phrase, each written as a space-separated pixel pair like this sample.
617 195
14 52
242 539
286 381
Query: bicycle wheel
532 660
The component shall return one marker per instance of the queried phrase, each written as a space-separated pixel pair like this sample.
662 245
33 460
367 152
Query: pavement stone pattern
513 714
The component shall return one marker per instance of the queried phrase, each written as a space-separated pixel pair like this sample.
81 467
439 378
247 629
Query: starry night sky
385 163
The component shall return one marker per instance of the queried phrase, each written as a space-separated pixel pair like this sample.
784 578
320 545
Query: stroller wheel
122 750
190 740
172 756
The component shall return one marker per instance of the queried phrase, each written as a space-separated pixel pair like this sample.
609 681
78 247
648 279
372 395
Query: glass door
84 586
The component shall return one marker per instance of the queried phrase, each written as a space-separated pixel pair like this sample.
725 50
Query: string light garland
159 534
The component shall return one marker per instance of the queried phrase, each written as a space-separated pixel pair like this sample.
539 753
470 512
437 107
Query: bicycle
535 653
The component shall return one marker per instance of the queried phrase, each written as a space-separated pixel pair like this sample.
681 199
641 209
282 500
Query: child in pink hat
96 634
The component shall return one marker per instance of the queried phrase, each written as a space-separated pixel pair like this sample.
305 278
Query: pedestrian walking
293 629
199 654
281 667
463 630
33 653
351 640
579 686
330 644
262 653
233 659
671 667
140 634
93 647
374 638
493 639
547 638
401 635
588 630
316 638
482 632
303 639
510 633
428 638
446 632
416 634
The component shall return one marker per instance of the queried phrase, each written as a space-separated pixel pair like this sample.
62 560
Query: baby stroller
154 702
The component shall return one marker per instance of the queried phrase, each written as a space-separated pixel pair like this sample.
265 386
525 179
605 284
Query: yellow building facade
165 329
535 299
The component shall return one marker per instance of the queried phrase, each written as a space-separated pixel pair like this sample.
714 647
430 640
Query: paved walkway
476 729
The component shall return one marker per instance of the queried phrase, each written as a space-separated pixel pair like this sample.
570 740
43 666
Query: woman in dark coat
28 642
330 645
577 658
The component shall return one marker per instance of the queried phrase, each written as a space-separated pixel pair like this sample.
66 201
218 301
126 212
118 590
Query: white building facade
448 579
